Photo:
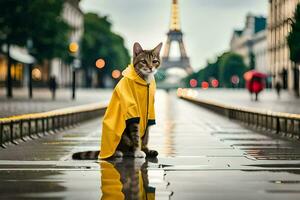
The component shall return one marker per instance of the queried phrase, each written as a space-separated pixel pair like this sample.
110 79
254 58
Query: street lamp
29 45
73 49
100 63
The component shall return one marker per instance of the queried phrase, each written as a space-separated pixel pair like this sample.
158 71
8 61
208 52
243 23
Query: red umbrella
253 73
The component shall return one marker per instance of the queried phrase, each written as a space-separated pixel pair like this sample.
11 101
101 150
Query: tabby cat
146 63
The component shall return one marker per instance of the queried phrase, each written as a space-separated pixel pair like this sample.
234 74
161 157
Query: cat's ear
137 49
157 49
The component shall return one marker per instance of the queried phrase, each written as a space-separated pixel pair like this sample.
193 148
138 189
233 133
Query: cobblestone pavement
42 101
202 156
240 97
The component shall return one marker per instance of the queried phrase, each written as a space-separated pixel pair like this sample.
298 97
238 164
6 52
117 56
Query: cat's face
146 62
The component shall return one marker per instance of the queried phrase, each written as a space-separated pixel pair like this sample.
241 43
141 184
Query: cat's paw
152 154
118 154
139 154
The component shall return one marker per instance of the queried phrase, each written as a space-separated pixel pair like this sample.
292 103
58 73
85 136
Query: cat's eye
155 61
143 61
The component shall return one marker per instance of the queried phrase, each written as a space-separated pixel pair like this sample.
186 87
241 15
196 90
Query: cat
145 64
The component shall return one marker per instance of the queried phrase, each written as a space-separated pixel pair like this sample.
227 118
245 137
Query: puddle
257 144
231 132
283 191
276 158
247 139
285 182
297 165
131 179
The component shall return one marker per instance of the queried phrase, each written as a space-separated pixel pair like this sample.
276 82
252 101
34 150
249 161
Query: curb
30 125
278 122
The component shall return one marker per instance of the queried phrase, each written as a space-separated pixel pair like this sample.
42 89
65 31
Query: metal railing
16 128
277 122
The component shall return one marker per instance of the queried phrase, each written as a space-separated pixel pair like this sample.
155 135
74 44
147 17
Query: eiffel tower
175 35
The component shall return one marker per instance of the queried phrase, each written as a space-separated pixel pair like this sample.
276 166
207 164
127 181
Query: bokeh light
36 74
214 83
73 47
184 92
205 85
100 63
179 92
235 79
116 74
193 83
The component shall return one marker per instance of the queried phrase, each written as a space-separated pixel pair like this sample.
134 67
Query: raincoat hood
131 74
132 101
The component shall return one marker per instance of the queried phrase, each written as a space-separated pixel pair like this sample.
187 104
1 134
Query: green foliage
231 64
294 37
100 42
211 71
226 65
13 22
40 21
160 76
50 33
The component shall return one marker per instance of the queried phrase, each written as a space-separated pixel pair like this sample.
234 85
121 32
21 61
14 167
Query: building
281 67
21 59
75 18
260 51
251 42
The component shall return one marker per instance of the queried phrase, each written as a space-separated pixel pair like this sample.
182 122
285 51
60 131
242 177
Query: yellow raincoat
132 101
112 187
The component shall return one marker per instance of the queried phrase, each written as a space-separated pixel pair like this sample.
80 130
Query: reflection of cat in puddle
125 179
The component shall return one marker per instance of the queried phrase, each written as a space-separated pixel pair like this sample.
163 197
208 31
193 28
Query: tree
252 60
50 33
227 65
100 42
211 71
208 73
35 20
231 64
293 40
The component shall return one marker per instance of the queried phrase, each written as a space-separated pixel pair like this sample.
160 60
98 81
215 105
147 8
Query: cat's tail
86 155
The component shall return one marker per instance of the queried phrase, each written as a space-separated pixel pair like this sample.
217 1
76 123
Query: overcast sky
207 24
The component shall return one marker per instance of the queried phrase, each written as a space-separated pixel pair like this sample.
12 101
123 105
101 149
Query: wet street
202 156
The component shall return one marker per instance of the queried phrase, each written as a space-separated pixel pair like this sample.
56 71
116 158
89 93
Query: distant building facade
73 15
281 67
21 60
251 42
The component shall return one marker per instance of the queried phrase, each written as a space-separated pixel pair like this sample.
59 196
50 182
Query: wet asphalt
202 156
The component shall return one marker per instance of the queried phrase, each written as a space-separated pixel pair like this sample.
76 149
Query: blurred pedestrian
255 82
52 86
278 88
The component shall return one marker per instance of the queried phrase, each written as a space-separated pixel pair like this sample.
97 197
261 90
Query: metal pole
29 129
11 127
277 125
30 81
21 130
9 93
1 136
73 84
36 123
